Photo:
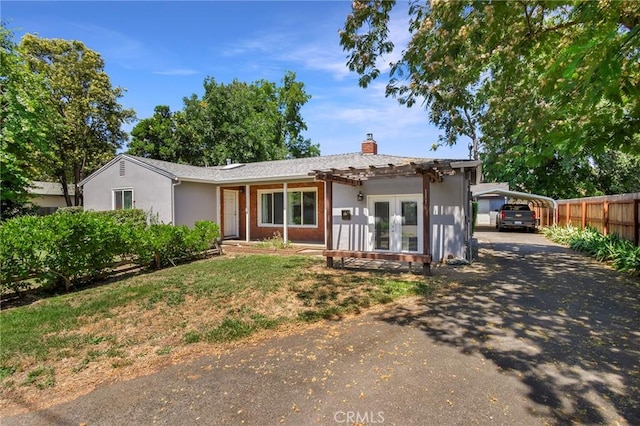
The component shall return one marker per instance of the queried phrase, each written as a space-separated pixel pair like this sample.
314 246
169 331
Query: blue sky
162 51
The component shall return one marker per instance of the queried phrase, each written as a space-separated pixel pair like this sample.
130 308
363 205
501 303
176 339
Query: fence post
568 207
636 238
583 222
605 219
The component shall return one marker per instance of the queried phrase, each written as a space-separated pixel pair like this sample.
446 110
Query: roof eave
133 160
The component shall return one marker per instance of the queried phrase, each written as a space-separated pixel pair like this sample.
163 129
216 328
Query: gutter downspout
173 201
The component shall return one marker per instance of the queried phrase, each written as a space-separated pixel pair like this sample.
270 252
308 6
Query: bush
66 247
621 253
165 244
21 252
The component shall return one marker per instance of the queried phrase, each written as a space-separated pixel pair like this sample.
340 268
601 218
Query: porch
393 221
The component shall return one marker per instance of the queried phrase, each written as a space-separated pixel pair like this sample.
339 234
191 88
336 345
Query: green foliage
65 248
27 120
156 137
84 107
276 242
622 254
239 121
134 217
542 88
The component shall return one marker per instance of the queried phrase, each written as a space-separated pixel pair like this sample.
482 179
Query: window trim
260 192
113 198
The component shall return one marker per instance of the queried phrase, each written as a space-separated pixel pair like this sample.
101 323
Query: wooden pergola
432 171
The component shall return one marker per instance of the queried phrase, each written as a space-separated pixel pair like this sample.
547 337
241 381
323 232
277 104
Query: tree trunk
65 188
77 174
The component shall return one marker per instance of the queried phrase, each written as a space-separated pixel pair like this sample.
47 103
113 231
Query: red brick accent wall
303 234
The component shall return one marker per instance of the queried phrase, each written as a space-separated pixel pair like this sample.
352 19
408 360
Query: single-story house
358 202
48 196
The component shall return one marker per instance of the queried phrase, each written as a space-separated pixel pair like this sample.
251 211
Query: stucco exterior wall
48 200
449 213
448 218
193 202
356 233
151 191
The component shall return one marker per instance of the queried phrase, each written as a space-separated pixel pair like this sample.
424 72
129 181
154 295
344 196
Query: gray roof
48 188
488 186
278 170
275 170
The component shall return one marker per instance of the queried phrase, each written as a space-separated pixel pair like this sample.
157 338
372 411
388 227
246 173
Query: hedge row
64 248
622 254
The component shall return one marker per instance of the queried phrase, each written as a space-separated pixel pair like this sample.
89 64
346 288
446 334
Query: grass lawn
77 340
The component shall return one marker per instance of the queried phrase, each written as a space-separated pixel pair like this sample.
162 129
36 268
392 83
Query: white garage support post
247 213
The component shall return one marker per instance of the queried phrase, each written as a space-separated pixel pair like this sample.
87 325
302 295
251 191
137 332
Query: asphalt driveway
533 334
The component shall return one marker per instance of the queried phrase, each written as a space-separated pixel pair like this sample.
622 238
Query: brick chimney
369 146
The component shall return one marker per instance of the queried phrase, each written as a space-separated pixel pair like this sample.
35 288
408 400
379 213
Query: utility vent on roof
232 166
122 168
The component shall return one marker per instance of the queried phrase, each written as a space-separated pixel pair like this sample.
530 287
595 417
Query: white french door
395 223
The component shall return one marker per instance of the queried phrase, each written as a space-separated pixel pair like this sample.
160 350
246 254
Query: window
271 206
301 208
122 199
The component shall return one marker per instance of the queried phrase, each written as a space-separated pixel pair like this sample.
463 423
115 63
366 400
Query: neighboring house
48 196
379 211
489 202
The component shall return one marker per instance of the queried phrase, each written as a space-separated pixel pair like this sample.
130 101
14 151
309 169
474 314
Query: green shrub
66 247
22 251
163 245
70 209
79 245
134 217
621 253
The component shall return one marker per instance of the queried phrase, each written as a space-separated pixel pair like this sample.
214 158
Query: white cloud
178 72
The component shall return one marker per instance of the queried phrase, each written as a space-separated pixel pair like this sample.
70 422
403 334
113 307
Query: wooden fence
611 214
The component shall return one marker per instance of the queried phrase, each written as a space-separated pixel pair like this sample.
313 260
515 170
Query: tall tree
86 104
543 80
291 98
242 122
27 120
155 137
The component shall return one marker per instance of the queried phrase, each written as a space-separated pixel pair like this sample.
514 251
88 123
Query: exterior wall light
360 196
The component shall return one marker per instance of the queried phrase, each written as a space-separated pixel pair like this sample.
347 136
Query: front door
230 213
395 223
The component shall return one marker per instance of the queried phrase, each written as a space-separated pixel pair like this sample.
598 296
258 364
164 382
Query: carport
539 201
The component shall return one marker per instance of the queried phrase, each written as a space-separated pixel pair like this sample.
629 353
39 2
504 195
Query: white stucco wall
151 191
356 233
449 213
194 202
448 218
349 234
